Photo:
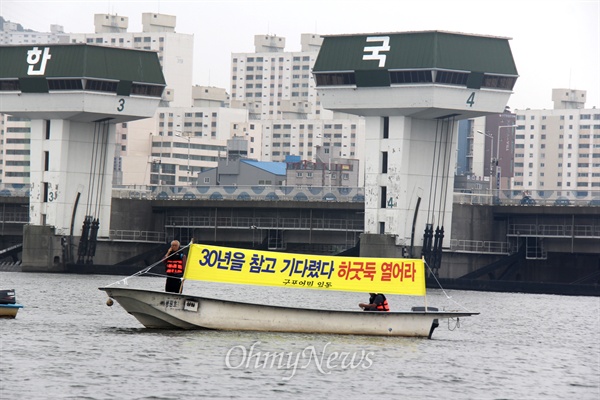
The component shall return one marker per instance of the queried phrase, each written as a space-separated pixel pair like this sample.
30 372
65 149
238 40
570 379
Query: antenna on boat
412 232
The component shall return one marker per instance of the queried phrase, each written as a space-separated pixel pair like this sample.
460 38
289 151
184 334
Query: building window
335 79
383 199
386 127
384 162
47 126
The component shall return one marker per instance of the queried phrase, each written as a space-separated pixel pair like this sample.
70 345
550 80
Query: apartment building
178 143
175 50
14 33
191 140
558 149
277 89
16 142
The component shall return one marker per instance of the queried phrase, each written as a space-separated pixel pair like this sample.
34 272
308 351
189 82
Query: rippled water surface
67 344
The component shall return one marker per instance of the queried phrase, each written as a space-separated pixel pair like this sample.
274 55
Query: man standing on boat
175 263
377 302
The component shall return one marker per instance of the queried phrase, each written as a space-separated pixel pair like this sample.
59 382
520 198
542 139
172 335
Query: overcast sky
556 44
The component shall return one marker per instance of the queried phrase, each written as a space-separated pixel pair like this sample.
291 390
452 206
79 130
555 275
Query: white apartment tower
188 140
559 149
13 33
278 90
175 50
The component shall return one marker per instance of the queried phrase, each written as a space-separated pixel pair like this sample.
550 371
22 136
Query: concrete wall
476 222
132 214
42 250
374 245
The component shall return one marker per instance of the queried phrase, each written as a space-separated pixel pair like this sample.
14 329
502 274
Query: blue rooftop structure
277 168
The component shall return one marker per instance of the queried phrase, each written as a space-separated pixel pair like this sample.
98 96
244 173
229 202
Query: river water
66 343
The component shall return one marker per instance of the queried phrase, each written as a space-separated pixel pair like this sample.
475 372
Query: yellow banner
266 268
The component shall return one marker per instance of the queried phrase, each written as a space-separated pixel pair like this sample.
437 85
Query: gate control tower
412 88
74 95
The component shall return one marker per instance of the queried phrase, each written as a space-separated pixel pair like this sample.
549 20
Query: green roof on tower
384 59
40 68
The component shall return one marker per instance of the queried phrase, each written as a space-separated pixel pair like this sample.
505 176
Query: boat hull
161 310
9 310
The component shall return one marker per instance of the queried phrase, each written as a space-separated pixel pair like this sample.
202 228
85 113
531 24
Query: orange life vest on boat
174 264
384 306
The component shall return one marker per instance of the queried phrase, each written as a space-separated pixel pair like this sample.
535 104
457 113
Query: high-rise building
175 50
558 149
277 89
17 138
14 33
189 140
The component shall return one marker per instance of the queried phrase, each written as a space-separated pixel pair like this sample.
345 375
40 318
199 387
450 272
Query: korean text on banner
404 276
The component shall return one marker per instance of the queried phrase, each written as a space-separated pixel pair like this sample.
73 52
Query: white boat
163 310
8 306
